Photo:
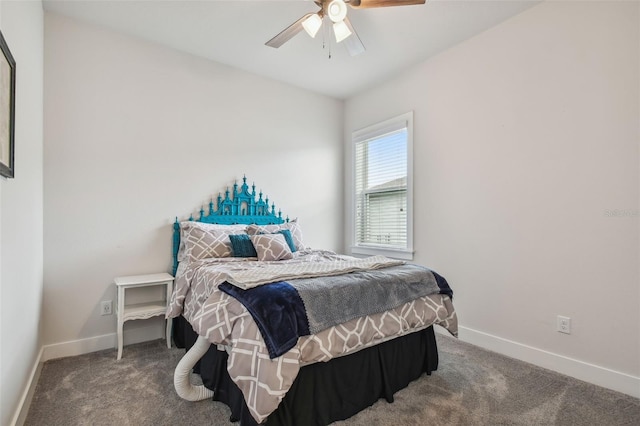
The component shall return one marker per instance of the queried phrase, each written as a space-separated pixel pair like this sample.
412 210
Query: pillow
293 227
242 246
205 240
271 247
288 238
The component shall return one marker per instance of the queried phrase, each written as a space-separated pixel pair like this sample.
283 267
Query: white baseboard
98 343
27 395
581 370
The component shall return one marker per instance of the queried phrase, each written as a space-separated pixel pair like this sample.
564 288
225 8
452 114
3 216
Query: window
383 188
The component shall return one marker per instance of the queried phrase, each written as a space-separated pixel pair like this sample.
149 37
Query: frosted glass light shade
341 30
337 10
312 24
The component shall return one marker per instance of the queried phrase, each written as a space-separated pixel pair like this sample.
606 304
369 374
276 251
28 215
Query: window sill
391 253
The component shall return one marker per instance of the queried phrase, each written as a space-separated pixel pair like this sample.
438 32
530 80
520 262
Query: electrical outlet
105 307
564 324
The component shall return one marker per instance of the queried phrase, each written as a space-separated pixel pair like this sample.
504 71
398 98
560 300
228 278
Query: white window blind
382 186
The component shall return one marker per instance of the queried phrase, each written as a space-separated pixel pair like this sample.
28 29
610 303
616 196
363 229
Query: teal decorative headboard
237 207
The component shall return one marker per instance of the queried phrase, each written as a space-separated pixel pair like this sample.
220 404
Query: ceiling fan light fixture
341 31
337 11
312 24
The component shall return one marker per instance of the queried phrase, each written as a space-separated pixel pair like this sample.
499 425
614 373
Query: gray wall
137 134
21 220
526 139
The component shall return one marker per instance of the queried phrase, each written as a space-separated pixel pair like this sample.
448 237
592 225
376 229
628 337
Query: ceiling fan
336 11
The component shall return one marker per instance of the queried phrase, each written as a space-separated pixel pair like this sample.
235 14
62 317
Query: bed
288 335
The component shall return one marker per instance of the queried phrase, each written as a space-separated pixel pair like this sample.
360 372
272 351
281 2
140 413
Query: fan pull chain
326 41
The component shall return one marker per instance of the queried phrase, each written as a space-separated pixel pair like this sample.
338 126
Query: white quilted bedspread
269 272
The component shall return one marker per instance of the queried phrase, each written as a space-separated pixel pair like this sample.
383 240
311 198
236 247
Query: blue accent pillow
242 246
288 238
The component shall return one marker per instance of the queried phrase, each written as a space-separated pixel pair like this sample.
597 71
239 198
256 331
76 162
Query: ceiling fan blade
368 4
353 44
288 33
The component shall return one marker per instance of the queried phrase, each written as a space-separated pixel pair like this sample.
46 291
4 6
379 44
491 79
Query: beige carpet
471 387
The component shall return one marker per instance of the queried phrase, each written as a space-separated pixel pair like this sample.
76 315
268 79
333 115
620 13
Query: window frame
376 130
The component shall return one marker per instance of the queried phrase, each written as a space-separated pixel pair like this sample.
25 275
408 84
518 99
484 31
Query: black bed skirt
326 391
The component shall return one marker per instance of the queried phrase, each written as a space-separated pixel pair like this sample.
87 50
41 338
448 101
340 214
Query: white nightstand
142 310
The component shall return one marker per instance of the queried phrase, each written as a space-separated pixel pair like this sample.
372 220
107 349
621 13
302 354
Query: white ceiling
234 33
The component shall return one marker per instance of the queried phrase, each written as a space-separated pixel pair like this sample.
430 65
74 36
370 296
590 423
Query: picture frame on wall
7 110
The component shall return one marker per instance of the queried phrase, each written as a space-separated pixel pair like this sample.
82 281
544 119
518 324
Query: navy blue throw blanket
443 285
278 311
281 315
